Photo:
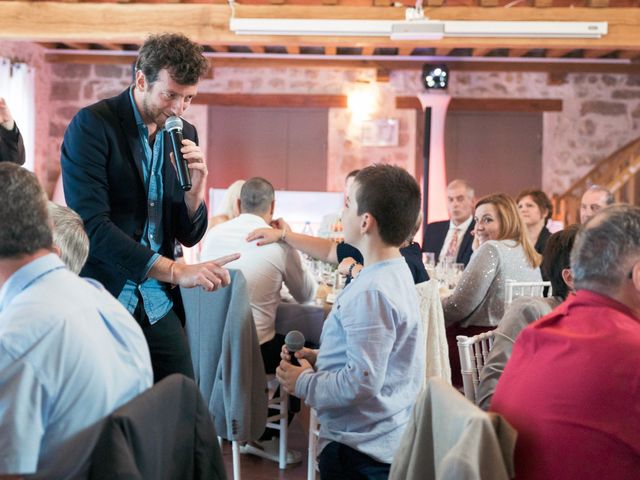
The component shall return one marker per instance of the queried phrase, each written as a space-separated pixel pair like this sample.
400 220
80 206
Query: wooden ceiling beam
490 104
480 52
76 45
271 100
355 62
558 52
442 52
208 24
595 53
111 46
629 54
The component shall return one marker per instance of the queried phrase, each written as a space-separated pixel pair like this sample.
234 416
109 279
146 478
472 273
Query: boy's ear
367 223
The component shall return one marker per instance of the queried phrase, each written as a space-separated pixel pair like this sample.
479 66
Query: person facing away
229 205
118 175
265 268
593 200
70 354
364 379
526 310
11 144
70 241
452 238
572 385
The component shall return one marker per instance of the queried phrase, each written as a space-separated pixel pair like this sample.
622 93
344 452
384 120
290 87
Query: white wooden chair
314 435
279 421
473 353
525 289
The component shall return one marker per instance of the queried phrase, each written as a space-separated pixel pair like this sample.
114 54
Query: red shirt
572 391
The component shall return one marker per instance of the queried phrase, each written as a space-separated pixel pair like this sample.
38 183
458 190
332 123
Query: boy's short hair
392 196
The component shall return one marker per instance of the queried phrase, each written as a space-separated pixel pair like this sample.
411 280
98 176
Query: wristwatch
351 267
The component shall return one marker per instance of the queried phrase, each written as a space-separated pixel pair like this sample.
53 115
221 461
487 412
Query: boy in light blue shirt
364 379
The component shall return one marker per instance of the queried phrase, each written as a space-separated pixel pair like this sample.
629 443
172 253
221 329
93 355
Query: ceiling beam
271 100
208 23
490 104
355 62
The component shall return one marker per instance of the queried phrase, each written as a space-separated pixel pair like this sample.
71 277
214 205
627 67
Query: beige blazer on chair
449 438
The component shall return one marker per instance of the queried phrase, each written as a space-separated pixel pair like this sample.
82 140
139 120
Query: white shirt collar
463 226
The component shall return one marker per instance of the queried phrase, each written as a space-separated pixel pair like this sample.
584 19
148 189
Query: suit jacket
103 181
436 233
162 434
11 146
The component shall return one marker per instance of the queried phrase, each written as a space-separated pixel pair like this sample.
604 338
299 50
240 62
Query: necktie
452 251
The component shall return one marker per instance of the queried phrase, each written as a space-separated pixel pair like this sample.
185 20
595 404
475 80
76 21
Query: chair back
162 434
525 289
226 358
432 316
473 353
449 438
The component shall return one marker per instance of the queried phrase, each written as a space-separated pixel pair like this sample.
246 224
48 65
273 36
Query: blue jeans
340 462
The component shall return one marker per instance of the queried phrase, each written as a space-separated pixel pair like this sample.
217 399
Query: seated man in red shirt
572 386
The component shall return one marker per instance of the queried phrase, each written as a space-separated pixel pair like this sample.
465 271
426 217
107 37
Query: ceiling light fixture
422 29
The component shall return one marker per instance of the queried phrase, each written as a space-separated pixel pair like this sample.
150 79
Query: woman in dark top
410 251
535 209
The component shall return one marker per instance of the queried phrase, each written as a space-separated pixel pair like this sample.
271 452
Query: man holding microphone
118 175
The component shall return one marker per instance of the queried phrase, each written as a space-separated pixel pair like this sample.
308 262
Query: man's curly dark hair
181 57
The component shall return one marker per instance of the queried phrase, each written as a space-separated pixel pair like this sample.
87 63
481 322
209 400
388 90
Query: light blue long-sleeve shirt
70 354
370 365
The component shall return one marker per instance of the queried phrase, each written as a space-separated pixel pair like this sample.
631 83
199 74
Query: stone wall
601 112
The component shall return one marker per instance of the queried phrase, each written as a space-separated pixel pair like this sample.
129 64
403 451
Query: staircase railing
617 173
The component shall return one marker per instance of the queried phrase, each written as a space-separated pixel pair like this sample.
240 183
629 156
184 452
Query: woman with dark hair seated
526 310
535 209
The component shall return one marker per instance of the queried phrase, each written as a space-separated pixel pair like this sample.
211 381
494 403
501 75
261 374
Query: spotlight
435 76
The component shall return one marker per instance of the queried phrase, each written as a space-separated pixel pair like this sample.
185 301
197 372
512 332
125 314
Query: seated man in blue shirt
70 354
364 379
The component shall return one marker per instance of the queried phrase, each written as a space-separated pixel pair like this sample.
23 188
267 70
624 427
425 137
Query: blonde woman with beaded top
504 253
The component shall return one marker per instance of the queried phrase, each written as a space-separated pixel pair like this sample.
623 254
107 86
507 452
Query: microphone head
173 123
294 341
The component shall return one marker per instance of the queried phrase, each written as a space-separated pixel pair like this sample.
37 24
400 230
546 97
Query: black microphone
294 342
173 125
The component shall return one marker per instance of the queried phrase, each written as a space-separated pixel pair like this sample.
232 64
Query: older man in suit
118 175
452 238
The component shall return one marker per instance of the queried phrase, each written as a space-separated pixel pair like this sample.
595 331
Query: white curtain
17 87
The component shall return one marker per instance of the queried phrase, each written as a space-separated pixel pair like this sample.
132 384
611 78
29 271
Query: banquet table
306 318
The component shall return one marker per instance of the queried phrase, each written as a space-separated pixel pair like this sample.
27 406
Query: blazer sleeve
86 152
11 146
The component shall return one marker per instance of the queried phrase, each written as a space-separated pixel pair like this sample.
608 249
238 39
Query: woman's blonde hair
511 225
229 204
